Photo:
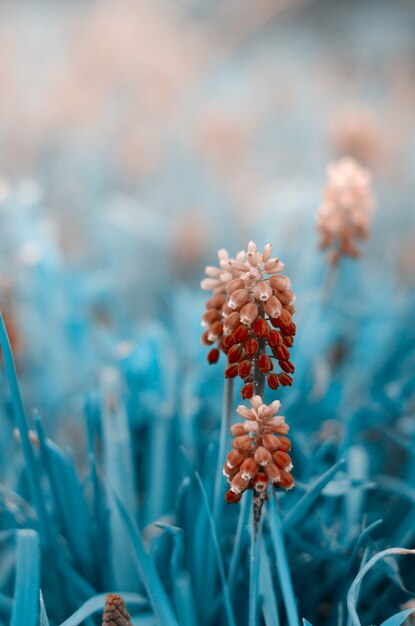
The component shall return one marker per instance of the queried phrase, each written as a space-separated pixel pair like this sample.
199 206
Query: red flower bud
288 340
247 391
240 333
251 347
205 339
285 444
211 316
234 354
260 327
282 353
285 379
273 382
264 363
282 460
287 366
213 356
231 371
244 368
215 331
216 302
287 481
228 342
231 497
260 482
274 338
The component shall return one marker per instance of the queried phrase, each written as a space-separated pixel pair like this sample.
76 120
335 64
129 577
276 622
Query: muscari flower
259 456
345 213
249 317
115 611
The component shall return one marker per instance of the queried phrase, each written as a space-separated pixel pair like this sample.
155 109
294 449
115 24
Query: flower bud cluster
115 611
249 317
260 451
345 213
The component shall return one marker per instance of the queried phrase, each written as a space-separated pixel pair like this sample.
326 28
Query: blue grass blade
182 588
32 472
227 600
44 620
398 618
306 623
97 603
353 593
283 570
357 467
26 593
157 483
362 537
157 595
266 589
119 475
240 540
69 497
301 508
256 541
6 605
364 560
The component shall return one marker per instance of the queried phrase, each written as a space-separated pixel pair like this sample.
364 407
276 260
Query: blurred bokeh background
139 137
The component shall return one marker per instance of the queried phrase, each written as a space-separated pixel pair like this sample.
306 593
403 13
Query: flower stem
224 434
259 387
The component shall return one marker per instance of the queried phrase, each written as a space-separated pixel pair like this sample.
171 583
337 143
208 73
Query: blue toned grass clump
111 483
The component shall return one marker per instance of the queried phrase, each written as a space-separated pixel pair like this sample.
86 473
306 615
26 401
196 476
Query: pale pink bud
251 427
256 402
273 266
273 473
277 420
209 284
270 442
223 256
252 256
262 291
235 265
234 284
215 272
242 443
248 468
280 283
239 484
244 412
280 429
267 253
238 430
273 307
238 298
262 456
248 313
274 407
231 321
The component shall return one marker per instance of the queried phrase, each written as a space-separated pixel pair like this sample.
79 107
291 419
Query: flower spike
115 611
251 299
345 213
